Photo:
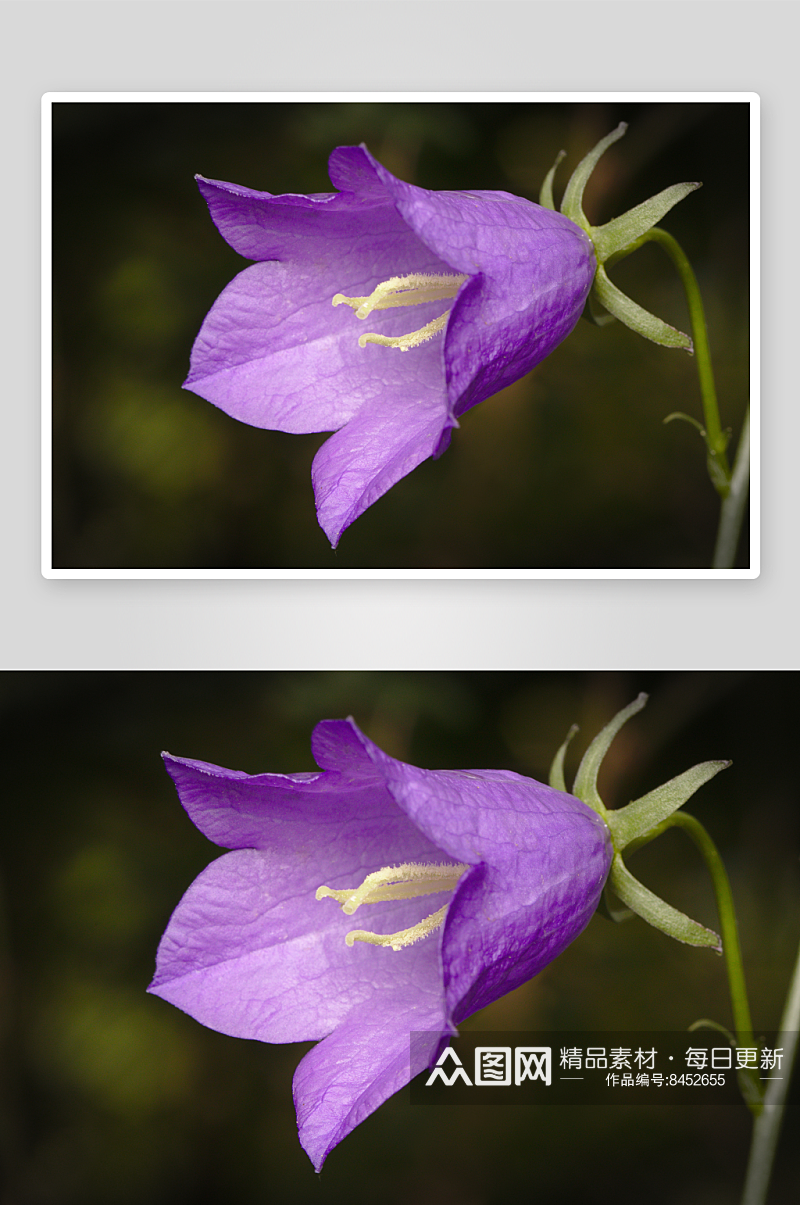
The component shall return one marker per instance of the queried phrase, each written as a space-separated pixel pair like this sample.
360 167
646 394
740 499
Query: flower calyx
635 825
615 240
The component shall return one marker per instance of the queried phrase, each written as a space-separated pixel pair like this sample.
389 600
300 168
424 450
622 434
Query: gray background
387 46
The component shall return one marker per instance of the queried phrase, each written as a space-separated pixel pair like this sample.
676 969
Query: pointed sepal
546 191
639 817
633 826
557 780
585 786
572 201
619 233
609 909
593 312
616 239
657 912
635 317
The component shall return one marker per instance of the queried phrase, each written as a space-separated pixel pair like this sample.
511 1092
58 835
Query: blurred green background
569 468
111 1095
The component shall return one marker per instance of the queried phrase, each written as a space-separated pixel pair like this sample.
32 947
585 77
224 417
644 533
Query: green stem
732 512
730 946
767 1126
769 1113
733 506
727 918
716 440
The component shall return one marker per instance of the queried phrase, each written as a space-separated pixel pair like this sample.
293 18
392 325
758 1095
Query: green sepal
635 825
585 785
546 191
609 909
639 817
635 317
619 233
557 780
656 911
572 201
613 241
595 313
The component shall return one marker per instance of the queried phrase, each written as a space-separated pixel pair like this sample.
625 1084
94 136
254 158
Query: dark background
569 468
111 1095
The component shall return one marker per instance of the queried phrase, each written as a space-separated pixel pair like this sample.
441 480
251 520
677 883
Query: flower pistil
404 882
414 289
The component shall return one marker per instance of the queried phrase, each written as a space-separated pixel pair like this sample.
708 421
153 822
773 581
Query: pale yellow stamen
404 882
403 937
406 342
414 289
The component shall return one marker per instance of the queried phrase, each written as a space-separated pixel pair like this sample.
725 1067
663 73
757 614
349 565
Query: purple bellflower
258 948
497 283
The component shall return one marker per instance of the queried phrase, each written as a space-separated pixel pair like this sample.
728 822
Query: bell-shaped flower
266 944
317 335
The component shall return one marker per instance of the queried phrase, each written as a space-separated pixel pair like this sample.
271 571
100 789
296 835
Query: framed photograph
338 335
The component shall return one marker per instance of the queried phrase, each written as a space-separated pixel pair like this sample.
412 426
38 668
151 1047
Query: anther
404 882
415 289
404 937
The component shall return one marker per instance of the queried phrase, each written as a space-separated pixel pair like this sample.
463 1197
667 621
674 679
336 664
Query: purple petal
390 436
535 268
341 745
261 226
273 351
504 928
249 950
541 858
252 953
346 1077
267 353
349 816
